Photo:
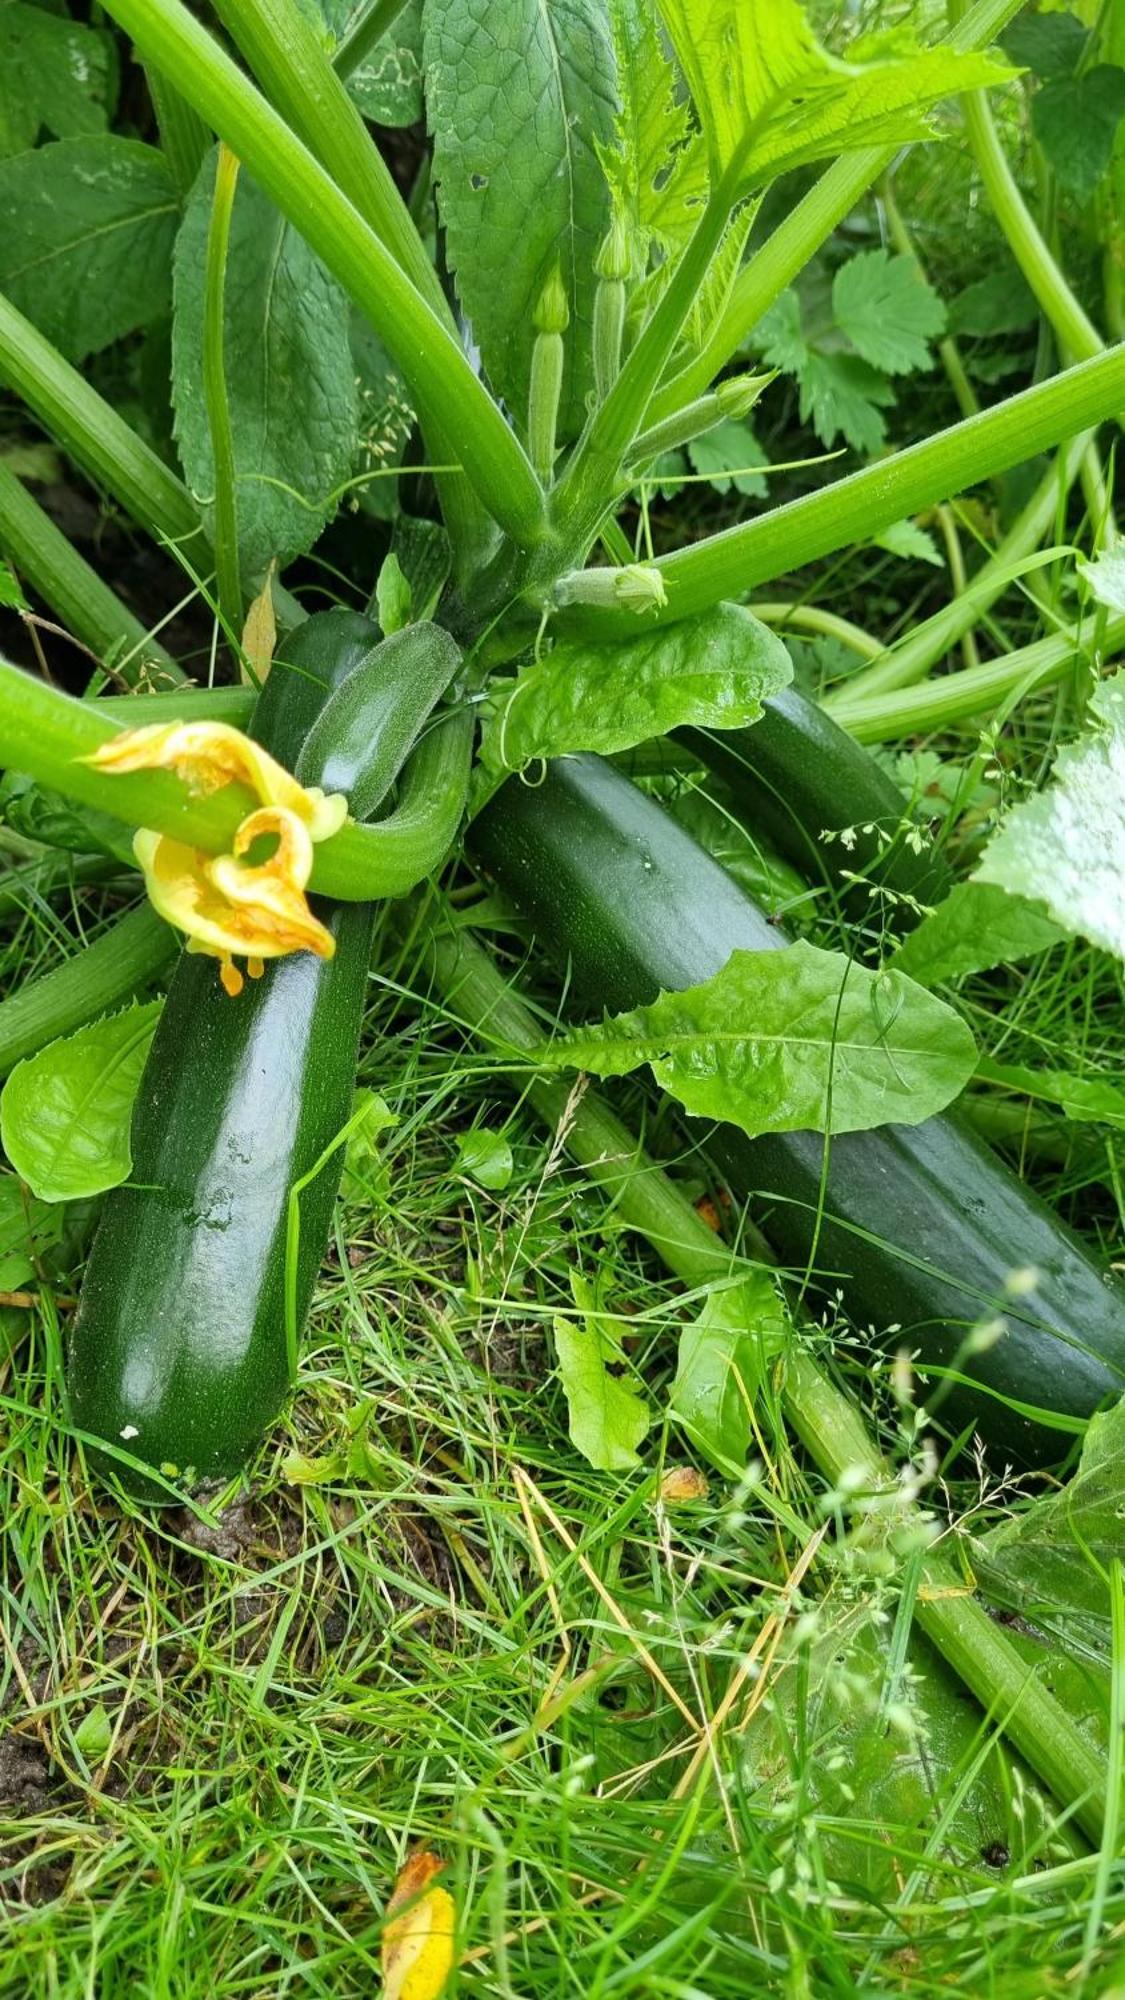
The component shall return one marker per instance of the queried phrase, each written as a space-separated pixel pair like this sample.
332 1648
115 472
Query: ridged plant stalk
44 558
286 54
856 508
127 957
979 690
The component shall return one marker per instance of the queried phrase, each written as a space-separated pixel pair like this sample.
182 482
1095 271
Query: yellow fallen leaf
683 1482
259 634
418 1936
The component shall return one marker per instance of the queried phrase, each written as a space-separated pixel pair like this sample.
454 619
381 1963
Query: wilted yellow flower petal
418 1936
209 755
682 1483
227 904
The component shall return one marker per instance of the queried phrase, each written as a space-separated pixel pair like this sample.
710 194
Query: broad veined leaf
1084 1099
486 1157
607 1416
520 94
721 1363
1066 846
290 376
417 1947
714 671
1050 1562
770 98
1002 302
86 234
974 928
796 1040
1050 44
387 84
657 165
888 311
65 1113
54 72
1076 120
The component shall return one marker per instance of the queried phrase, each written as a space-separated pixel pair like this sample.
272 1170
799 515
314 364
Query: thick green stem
95 436
43 557
288 58
427 353
882 718
928 643
822 624
49 735
593 473
855 509
215 394
823 1417
184 138
126 958
789 247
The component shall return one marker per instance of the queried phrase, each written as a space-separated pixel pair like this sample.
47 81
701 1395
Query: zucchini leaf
86 234
54 72
1065 847
65 1114
519 96
657 164
290 375
714 671
796 1040
770 98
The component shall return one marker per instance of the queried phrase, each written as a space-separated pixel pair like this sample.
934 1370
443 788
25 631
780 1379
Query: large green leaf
770 98
1076 120
86 234
65 1113
783 1041
657 165
387 84
976 927
519 95
714 671
1066 846
1051 1561
54 72
291 381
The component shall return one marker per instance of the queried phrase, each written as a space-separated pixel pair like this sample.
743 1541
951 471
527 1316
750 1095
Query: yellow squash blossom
252 905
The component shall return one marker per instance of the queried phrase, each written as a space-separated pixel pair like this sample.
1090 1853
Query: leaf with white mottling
1065 847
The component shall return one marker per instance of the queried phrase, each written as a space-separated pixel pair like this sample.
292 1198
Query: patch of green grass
666 1749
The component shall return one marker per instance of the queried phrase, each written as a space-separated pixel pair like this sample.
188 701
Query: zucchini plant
625 192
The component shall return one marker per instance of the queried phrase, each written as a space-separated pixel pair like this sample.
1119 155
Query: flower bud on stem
552 316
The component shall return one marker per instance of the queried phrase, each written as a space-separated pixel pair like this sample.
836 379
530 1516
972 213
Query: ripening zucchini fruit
179 1354
923 1228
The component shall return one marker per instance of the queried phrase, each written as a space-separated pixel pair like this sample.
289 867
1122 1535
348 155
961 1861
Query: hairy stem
75 592
854 509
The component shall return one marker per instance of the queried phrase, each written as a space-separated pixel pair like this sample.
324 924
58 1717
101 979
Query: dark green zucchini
921 1227
361 738
797 777
178 1353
